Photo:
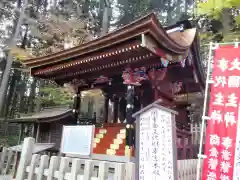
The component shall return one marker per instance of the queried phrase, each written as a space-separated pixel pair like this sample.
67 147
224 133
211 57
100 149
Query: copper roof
136 40
46 115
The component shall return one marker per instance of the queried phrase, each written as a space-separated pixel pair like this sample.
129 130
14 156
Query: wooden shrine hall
130 67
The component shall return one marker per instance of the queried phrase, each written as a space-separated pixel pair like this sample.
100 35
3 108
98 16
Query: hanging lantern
141 72
127 76
164 62
139 75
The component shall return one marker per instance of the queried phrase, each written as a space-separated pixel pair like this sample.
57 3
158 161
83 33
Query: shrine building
118 74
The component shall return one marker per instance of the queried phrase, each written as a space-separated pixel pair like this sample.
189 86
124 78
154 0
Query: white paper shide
156 145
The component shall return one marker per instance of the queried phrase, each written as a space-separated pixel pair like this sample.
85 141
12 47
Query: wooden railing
183 126
196 132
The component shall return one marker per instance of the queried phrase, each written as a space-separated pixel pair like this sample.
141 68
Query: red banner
223 112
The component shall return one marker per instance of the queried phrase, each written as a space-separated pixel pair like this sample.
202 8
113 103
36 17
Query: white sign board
77 140
156 154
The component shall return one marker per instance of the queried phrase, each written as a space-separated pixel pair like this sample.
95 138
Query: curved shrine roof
141 41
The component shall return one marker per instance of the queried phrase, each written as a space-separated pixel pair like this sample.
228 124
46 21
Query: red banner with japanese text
221 133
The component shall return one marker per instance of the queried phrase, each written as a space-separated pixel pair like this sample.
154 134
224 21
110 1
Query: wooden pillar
130 122
38 133
49 134
76 105
184 146
20 133
122 109
106 106
33 130
115 106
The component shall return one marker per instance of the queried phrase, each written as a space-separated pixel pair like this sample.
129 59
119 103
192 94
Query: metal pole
200 156
9 62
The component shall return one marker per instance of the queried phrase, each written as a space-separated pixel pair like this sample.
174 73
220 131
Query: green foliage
7 141
53 95
221 19
237 19
214 8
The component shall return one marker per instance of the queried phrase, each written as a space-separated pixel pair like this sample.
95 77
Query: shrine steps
109 141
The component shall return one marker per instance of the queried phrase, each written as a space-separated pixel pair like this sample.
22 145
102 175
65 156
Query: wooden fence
41 167
8 162
196 131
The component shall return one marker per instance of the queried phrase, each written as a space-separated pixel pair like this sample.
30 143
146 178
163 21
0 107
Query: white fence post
87 169
76 165
35 159
59 168
130 171
119 171
26 156
2 159
64 165
43 165
54 165
103 171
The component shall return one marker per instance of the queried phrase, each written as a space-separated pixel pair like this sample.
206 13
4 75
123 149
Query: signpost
222 146
77 140
155 143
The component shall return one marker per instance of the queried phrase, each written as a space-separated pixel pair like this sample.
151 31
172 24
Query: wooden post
54 165
76 164
9 162
43 165
49 135
77 105
130 171
20 133
115 107
103 171
184 146
87 169
35 159
64 164
119 171
2 158
38 132
106 106
25 159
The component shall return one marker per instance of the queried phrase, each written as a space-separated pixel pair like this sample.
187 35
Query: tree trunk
32 95
4 84
12 91
22 106
106 18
